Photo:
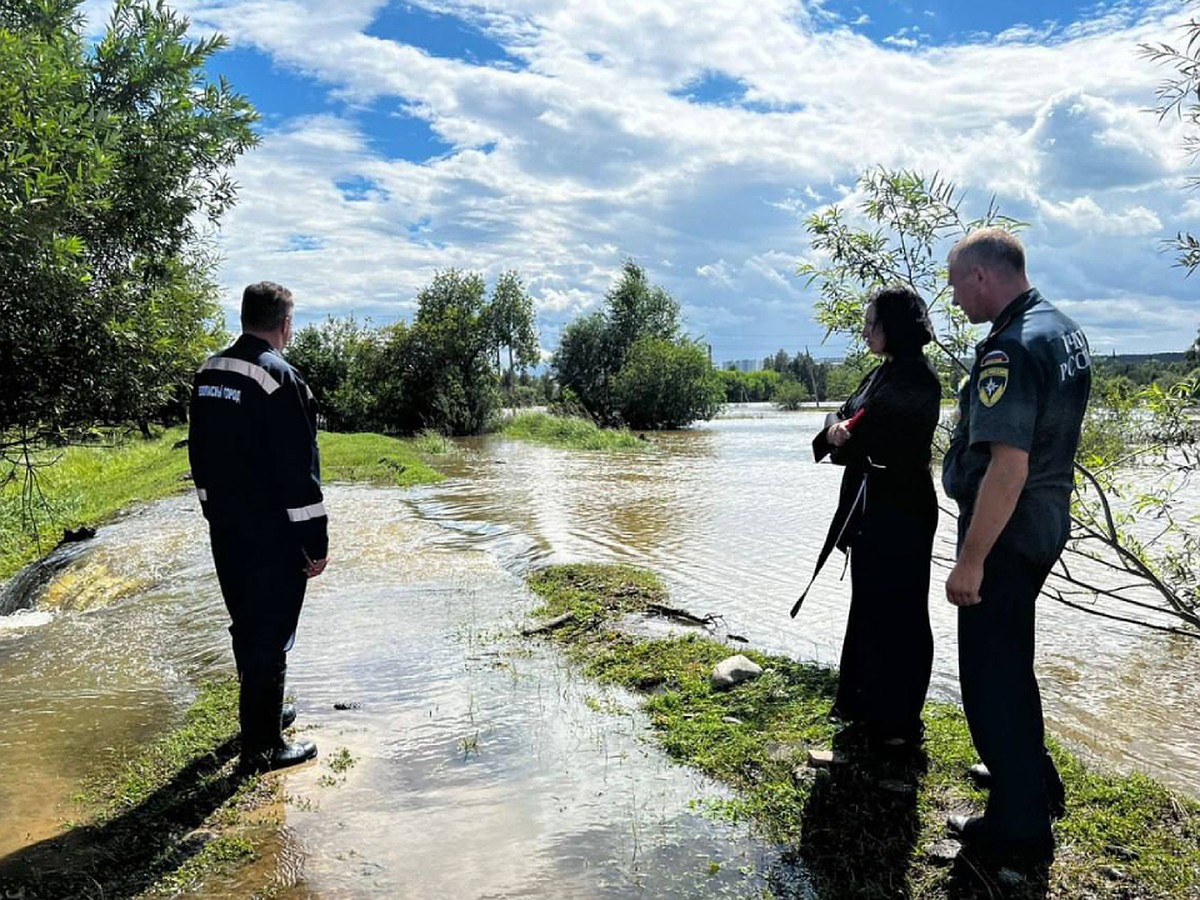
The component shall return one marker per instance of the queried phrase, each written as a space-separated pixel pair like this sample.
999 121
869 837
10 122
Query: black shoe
981 775
287 715
280 757
1056 792
897 740
977 835
845 715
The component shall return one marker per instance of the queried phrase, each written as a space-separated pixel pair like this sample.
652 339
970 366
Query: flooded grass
569 433
865 828
84 486
87 485
434 443
163 820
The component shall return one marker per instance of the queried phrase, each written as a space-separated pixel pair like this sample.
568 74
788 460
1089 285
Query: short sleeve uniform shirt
1028 388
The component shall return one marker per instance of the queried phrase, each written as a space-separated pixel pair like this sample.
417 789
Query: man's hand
962 587
316 567
838 434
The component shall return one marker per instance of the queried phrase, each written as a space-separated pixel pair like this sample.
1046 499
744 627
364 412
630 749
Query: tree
339 360
810 373
1179 95
791 395
844 377
111 157
636 309
667 384
595 349
450 382
513 325
908 221
582 365
1113 567
779 362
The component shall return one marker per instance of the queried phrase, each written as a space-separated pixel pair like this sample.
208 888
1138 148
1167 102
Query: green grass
87 485
569 433
861 829
161 821
376 458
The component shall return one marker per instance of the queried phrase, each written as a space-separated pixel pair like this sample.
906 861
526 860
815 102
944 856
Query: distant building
744 365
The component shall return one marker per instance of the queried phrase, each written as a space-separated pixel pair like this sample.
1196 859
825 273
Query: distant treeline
790 380
626 364
1145 369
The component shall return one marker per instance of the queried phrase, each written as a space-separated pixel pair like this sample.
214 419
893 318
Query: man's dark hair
265 305
904 318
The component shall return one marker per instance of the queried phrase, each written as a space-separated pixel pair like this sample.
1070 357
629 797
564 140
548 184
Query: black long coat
886 517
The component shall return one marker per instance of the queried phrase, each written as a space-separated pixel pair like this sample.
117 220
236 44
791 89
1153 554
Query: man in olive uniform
1010 468
253 449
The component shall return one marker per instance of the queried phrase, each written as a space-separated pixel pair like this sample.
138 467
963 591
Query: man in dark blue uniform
1010 468
253 450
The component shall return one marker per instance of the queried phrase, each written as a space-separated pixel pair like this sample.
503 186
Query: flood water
484 767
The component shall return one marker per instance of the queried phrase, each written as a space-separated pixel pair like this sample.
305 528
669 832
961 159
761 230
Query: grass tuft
569 433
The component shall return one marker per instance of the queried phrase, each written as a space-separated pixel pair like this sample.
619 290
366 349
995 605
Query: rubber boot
288 715
260 709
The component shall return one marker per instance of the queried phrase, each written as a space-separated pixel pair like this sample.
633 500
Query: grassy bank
166 817
88 485
863 829
569 433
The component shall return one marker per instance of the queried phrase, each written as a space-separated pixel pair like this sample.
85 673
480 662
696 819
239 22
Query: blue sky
559 137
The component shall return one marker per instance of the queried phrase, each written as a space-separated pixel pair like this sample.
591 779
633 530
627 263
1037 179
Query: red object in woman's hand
853 420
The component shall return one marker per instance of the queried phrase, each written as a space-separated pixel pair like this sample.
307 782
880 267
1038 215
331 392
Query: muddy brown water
484 768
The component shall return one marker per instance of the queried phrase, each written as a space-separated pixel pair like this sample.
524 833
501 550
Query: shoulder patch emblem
994 358
992 382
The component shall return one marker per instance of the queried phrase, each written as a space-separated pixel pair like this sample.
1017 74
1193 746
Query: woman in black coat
886 516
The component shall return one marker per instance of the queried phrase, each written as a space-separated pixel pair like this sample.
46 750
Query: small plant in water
341 761
469 745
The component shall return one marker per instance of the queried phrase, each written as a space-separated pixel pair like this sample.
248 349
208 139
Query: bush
792 395
667 384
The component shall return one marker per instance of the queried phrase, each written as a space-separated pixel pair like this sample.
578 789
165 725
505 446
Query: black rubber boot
260 709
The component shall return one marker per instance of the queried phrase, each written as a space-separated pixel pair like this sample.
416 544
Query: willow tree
113 169
1132 555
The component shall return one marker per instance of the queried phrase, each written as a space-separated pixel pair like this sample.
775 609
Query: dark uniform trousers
1000 691
263 587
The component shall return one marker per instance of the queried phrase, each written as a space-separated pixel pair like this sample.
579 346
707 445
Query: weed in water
341 761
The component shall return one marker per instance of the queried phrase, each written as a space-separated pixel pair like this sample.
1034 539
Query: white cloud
584 157
1085 214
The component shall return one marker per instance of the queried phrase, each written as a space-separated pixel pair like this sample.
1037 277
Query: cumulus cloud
588 151
1088 143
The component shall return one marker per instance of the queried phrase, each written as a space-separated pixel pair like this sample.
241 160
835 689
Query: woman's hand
838 434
